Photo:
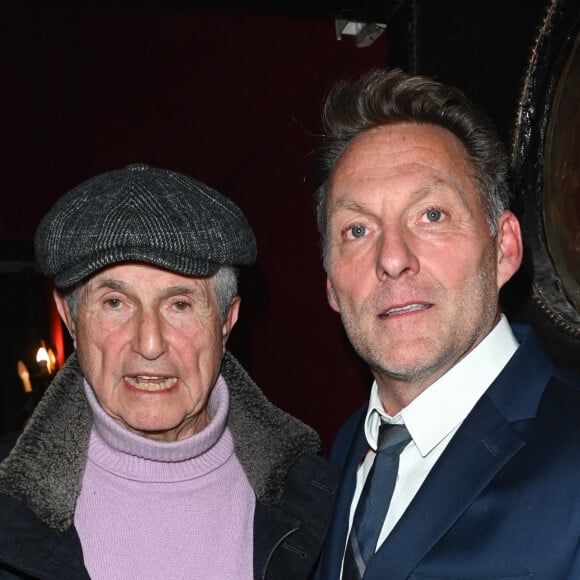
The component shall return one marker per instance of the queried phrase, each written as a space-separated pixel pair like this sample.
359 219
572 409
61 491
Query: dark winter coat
41 479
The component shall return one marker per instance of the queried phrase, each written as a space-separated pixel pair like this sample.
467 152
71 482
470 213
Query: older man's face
150 343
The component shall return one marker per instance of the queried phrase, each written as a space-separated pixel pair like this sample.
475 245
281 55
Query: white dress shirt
433 418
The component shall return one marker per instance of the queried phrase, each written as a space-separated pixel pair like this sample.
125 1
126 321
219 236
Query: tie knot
392 438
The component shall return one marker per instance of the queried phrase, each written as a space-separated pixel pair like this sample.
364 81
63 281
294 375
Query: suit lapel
479 449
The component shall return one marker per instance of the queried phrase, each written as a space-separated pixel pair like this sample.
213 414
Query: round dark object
546 158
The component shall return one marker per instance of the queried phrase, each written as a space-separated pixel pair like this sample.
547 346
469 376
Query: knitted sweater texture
155 510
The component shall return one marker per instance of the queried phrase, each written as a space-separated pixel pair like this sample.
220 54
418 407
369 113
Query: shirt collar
443 406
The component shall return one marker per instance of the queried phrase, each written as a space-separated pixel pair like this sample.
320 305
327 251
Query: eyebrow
120 286
350 205
110 283
176 290
437 184
422 190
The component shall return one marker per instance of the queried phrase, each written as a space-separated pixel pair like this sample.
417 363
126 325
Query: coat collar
267 440
46 466
530 366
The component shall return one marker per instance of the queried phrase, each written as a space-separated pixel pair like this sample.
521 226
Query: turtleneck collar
132 456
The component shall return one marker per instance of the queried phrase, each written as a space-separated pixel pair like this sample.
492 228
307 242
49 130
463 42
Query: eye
357 231
433 215
113 303
181 305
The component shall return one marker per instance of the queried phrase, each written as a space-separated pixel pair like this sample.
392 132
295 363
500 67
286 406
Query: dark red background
232 96
227 96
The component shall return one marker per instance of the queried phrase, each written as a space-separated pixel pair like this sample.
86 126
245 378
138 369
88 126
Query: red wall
229 97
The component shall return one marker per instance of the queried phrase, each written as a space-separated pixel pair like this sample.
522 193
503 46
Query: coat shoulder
561 399
288 536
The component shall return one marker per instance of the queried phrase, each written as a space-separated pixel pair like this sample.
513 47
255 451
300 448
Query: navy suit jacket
502 501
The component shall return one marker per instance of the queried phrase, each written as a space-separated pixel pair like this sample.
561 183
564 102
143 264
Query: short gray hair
225 283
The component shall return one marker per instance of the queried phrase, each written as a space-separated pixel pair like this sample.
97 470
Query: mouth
406 309
151 383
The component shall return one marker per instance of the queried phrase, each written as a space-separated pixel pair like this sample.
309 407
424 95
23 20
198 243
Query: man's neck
396 394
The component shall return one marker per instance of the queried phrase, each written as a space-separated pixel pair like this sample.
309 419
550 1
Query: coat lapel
479 449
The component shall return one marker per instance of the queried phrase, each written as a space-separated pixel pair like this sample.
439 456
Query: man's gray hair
225 282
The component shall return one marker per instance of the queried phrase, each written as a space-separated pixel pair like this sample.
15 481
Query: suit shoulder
561 398
567 377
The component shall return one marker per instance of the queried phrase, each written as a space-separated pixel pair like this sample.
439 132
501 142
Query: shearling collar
46 466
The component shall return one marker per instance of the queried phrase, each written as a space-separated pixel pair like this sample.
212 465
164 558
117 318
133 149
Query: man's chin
404 368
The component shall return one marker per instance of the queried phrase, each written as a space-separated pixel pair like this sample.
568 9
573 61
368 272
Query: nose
396 255
149 338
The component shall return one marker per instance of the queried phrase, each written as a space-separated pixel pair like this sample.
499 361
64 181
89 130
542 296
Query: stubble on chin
379 348
414 367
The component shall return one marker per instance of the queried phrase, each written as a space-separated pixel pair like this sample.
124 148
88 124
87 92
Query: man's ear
331 296
65 314
231 319
509 247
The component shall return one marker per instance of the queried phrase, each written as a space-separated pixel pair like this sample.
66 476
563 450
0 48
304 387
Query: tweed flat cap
142 214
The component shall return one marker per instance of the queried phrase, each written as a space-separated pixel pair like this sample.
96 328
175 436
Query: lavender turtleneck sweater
154 510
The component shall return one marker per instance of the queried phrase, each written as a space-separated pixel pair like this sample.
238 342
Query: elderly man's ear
509 247
231 319
65 314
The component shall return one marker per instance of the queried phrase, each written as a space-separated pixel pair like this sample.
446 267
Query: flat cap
142 214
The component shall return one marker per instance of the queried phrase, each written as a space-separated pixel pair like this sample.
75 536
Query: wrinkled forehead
403 143
406 155
138 277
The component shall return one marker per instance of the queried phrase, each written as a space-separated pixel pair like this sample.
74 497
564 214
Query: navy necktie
374 501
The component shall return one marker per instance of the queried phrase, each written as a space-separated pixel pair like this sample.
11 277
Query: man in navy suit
418 240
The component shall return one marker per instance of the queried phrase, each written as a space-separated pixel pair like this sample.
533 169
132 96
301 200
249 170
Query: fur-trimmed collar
46 466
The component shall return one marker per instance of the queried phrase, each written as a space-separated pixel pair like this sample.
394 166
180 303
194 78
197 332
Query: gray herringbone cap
142 214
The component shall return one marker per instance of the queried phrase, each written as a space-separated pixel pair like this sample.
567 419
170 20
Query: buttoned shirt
433 418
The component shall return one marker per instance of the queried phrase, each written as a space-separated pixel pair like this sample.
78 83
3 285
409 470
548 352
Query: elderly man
152 454
465 464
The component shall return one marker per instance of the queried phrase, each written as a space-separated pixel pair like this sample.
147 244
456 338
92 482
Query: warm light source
24 376
46 358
